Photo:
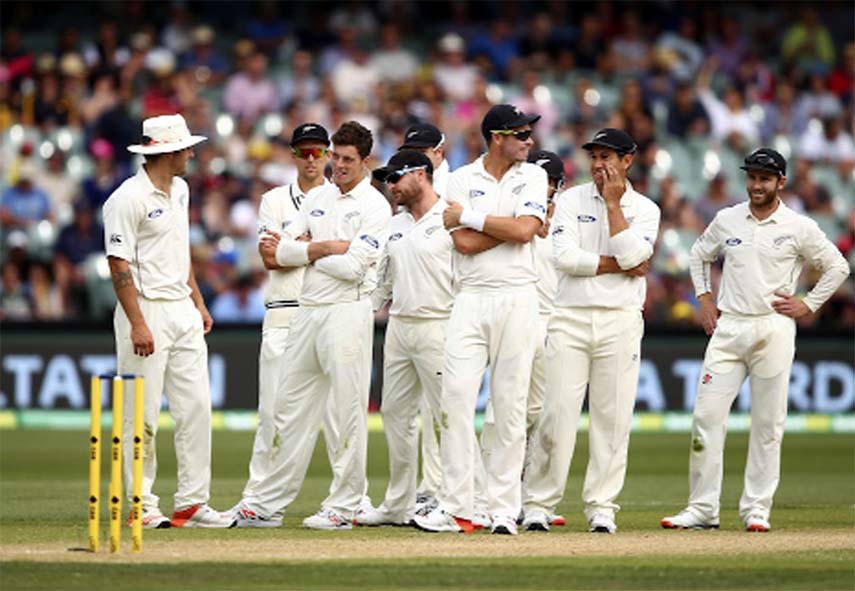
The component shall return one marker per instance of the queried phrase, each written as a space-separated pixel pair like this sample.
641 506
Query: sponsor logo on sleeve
585 218
115 238
535 206
733 241
316 213
395 236
370 240
155 213
286 223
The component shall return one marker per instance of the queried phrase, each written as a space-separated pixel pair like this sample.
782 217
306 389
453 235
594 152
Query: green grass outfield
44 486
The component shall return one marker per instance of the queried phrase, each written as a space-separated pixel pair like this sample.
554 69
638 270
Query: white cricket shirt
580 235
415 269
361 217
762 257
440 178
151 230
547 275
278 208
521 192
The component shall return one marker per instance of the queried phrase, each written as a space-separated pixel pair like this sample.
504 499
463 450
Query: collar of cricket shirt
145 180
358 190
628 194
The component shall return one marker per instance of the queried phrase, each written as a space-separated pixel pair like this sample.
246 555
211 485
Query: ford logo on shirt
475 193
155 213
733 241
535 206
316 213
395 236
370 240
585 218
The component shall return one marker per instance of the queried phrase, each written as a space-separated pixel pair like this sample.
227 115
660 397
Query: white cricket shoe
536 521
602 523
424 503
246 517
438 520
202 515
152 518
757 523
326 519
687 519
373 517
481 520
504 525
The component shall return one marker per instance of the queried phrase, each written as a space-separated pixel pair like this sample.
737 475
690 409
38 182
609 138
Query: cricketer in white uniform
309 146
430 141
496 205
415 272
764 244
602 238
161 319
328 350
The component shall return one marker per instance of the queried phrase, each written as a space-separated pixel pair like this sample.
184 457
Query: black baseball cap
616 139
548 161
504 117
310 131
403 160
766 159
422 135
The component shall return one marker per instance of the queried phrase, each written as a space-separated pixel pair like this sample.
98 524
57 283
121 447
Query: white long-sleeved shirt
151 230
440 178
415 269
762 257
580 235
278 208
521 192
361 217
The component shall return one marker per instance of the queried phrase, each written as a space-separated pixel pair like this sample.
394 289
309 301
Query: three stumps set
117 383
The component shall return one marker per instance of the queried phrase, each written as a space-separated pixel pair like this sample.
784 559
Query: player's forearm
519 230
608 264
126 291
195 293
320 249
617 221
828 283
469 241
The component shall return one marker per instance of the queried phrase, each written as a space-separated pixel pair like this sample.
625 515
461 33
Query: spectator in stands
242 302
631 49
827 143
497 50
780 115
24 204
808 43
301 85
106 177
60 186
250 93
75 243
454 75
391 61
730 120
686 116
15 302
208 66
716 198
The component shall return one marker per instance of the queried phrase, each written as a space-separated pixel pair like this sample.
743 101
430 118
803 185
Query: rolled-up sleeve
567 255
633 246
704 251
121 221
364 250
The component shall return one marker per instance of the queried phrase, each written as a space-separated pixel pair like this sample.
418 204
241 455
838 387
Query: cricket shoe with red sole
757 524
203 516
327 519
152 518
687 519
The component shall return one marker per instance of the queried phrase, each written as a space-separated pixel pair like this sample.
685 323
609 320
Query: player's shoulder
276 193
576 192
125 196
646 203
731 213
529 169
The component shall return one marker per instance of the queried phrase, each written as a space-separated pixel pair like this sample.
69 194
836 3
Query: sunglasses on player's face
521 135
394 177
304 153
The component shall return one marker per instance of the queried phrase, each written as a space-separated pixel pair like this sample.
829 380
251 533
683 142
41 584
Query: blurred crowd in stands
698 85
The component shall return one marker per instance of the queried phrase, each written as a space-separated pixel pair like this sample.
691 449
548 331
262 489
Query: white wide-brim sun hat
165 134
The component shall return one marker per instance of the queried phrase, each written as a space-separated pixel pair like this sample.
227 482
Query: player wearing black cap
602 239
430 141
496 205
752 332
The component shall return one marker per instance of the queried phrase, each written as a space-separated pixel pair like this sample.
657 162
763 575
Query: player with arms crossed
329 344
496 206
764 244
161 320
602 240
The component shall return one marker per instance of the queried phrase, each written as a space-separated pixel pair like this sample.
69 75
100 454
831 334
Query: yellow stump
94 463
139 401
116 466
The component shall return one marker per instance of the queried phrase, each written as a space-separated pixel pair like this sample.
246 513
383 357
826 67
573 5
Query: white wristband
473 219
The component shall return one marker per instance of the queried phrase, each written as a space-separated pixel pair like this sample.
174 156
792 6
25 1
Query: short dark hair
351 133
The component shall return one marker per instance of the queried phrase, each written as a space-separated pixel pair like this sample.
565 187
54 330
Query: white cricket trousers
271 366
412 372
761 347
328 353
179 368
431 460
495 327
597 349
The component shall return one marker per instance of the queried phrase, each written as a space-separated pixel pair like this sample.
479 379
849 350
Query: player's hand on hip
142 340
790 305
639 270
451 215
207 319
709 313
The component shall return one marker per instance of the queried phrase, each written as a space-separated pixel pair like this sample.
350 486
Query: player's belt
282 304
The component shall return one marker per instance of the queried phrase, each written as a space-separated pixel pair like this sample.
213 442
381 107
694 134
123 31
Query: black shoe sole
536 527
600 530
502 530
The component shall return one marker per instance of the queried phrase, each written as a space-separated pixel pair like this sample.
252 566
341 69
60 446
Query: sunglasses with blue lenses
396 175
